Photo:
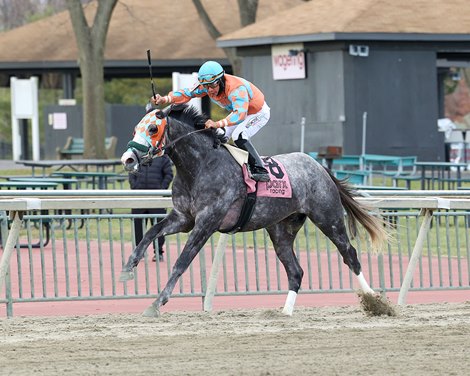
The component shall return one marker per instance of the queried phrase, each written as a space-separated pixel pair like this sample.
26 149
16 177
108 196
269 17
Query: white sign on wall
59 120
288 61
24 105
181 81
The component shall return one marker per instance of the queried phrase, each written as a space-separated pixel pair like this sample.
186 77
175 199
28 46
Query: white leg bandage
290 302
364 285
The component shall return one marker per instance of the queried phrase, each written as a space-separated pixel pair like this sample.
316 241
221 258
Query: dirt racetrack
426 339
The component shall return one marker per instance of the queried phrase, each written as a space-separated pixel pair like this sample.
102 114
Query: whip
149 107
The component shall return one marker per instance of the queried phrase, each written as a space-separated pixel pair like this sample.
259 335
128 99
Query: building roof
171 29
321 20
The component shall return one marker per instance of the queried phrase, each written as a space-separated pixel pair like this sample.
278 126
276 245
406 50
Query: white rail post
212 282
364 140
423 230
9 246
302 134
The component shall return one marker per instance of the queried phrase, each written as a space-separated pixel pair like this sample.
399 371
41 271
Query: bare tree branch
206 20
247 10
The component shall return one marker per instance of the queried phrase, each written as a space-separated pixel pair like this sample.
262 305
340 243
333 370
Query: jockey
248 110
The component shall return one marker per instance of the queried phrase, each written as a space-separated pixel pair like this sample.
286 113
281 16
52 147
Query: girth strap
245 214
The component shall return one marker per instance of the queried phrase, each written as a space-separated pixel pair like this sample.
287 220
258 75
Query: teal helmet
210 72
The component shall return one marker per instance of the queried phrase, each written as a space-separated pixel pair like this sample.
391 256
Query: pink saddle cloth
278 187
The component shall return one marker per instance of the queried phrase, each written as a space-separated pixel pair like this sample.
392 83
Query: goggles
212 85
206 79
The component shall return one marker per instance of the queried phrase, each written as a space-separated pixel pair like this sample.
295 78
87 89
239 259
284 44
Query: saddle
278 187
240 155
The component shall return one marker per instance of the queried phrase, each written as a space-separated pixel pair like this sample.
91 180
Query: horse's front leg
173 223
196 241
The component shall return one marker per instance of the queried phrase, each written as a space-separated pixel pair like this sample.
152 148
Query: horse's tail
357 212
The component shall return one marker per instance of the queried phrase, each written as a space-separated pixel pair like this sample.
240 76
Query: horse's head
148 141
159 131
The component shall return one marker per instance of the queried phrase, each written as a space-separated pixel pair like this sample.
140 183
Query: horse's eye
153 129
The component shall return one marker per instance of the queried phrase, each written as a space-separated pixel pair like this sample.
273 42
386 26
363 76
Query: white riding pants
252 124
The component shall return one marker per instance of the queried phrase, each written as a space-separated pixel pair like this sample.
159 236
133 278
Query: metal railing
78 254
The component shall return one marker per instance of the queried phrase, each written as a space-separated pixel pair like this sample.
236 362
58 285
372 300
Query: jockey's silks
240 97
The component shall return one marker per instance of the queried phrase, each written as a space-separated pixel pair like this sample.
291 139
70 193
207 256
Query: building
384 58
172 31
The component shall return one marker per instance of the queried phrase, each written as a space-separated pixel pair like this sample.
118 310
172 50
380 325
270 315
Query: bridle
154 151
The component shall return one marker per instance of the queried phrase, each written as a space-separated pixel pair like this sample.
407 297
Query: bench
406 178
75 146
347 162
358 177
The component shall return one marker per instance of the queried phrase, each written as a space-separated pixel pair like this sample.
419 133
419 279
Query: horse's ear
148 108
159 114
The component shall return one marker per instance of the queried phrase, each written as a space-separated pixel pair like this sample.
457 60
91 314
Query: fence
87 245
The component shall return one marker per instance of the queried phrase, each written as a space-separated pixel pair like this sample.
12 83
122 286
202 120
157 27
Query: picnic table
98 179
65 182
439 173
74 164
379 188
27 185
357 177
31 185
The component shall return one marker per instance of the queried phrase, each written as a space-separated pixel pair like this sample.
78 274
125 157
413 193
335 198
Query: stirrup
259 174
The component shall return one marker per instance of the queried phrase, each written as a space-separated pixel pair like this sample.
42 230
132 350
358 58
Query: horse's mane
189 115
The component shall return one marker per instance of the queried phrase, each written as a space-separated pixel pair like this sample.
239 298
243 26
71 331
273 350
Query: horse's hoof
126 276
376 305
151 311
287 311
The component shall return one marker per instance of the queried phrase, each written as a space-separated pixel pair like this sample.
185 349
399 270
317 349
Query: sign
59 120
24 98
24 105
181 81
288 61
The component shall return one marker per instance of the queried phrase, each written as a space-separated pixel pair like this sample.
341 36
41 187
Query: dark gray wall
396 85
56 138
120 122
321 103
398 88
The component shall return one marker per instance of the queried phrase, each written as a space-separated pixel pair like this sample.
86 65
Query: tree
91 41
247 11
14 13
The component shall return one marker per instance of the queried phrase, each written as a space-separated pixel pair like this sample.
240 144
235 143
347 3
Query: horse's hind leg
333 227
283 235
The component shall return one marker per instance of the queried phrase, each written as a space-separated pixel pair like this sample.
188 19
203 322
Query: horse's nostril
129 161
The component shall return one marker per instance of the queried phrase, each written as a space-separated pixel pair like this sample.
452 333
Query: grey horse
209 191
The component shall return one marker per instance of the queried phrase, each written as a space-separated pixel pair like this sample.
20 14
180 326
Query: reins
171 143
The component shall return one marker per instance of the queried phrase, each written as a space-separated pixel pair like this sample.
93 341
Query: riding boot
255 164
